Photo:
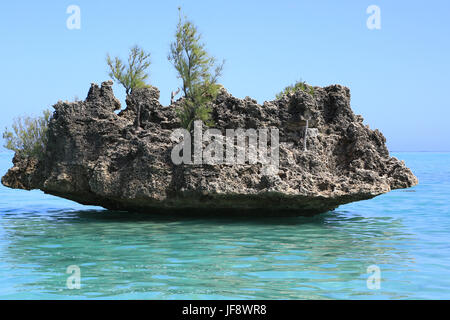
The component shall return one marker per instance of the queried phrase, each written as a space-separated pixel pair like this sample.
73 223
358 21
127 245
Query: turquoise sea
404 233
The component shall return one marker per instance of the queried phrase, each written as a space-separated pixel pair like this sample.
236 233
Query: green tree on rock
132 75
28 136
197 70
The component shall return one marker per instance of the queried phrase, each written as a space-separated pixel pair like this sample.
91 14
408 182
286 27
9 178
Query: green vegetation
299 85
28 136
133 75
195 67
198 72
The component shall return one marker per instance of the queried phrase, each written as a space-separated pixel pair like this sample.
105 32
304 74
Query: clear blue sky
398 75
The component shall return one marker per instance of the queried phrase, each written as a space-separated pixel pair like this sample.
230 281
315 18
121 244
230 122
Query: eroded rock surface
122 161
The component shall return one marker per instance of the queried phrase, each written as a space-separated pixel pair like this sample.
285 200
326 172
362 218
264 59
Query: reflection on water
137 256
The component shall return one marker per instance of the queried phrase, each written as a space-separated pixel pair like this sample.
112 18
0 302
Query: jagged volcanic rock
122 161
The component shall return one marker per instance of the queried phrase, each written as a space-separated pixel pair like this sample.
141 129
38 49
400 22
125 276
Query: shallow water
134 256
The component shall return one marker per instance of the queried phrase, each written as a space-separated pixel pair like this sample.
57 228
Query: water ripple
138 256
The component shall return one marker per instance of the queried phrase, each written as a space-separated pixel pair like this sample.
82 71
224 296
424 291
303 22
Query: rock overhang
123 161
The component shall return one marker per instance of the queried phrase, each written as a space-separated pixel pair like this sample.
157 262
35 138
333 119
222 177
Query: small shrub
190 112
133 75
28 136
299 85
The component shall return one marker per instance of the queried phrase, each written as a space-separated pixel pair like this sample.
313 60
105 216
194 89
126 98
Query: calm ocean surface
405 233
